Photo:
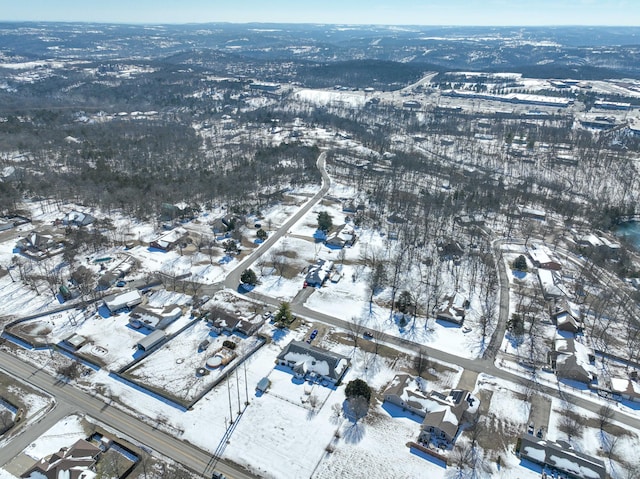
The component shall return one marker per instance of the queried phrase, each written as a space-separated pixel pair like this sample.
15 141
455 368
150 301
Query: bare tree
605 414
421 361
356 328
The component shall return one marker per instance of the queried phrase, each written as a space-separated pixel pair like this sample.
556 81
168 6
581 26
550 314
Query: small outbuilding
151 340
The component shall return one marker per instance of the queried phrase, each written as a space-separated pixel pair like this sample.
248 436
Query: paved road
69 399
587 401
233 278
503 312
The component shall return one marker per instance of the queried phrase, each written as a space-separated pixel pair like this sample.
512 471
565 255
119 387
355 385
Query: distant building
169 240
566 316
548 284
76 218
542 258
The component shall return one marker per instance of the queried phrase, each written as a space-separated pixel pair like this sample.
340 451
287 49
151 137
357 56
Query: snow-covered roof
625 386
311 359
156 317
565 460
548 284
127 299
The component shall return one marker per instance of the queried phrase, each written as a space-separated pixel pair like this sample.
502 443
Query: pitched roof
309 358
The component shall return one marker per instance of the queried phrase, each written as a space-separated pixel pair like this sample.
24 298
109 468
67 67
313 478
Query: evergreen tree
249 277
325 222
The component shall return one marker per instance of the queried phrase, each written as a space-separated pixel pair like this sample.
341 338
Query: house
226 223
450 250
312 362
76 218
548 284
36 243
589 241
75 462
542 258
566 317
317 274
151 340
154 318
127 299
626 388
169 240
560 458
407 392
453 309
572 360
445 412
229 323
343 236
533 213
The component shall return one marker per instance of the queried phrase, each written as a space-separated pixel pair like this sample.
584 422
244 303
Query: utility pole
230 410
238 391
246 386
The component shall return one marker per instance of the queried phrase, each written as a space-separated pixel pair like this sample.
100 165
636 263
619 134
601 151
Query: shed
76 341
151 340
263 384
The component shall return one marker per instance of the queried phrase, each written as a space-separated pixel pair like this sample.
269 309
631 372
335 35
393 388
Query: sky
379 12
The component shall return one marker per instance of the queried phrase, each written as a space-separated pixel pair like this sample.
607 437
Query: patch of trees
361 74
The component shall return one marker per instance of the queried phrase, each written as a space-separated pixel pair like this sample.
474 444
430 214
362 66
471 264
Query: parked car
466 329
314 333
367 335
218 475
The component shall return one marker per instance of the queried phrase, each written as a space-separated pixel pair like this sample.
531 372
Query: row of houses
443 412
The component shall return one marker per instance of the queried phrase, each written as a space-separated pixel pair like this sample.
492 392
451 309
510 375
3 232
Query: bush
229 344
520 263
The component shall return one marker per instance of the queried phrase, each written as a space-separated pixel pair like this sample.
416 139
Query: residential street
70 400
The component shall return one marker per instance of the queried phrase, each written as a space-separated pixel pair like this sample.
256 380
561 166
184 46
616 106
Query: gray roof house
154 318
445 414
318 273
572 360
75 462
127 299
570 463
313 362
406 392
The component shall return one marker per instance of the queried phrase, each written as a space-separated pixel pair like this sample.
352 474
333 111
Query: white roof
119 301
309 363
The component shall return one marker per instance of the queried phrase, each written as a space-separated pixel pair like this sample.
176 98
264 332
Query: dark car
314 333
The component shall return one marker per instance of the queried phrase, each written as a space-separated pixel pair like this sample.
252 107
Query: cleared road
233 278
75 400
